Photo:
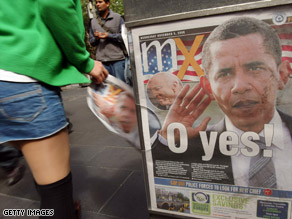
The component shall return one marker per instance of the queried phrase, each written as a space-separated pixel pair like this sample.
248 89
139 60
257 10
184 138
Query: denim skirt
29 111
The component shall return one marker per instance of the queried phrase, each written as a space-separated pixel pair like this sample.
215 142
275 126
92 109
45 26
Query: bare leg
48 158
49 161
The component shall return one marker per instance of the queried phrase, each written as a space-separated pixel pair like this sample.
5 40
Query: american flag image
285 34
152 60
190 74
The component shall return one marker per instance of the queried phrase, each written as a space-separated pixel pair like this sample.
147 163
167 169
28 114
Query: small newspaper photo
113 103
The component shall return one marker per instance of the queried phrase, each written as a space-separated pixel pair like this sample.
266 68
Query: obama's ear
206 86
285 71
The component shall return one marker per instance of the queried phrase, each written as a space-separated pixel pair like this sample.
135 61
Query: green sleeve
64 20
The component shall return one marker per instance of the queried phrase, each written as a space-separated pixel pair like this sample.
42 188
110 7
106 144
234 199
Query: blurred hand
96 35
103 35
105 107
100 35
98 73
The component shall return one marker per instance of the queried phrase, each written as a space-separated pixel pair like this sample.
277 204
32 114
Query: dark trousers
9 157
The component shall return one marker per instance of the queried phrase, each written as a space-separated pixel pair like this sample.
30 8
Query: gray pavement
107 171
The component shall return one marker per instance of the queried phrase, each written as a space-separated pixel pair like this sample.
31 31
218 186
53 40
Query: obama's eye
255 67
224 73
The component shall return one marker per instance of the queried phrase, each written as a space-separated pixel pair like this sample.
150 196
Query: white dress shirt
282 155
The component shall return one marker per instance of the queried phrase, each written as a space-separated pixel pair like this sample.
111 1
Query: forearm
116 37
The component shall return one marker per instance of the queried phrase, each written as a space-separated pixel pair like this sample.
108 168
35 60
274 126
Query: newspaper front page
217 90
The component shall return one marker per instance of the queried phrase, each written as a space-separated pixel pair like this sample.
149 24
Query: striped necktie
262 170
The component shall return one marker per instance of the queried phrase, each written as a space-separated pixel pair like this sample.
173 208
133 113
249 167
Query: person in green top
41 48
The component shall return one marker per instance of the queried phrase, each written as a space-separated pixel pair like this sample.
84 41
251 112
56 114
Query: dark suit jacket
217 170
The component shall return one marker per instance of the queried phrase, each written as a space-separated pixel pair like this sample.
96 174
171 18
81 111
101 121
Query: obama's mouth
245 104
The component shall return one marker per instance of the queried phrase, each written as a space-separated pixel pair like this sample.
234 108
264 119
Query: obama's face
126 113
244 78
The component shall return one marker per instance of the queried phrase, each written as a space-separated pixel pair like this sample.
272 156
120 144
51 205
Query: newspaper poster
220 88
112 102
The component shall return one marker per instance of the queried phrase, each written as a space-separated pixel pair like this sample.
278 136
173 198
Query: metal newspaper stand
165 43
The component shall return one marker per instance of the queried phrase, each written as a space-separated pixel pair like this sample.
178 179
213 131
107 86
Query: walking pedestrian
41 48
10 163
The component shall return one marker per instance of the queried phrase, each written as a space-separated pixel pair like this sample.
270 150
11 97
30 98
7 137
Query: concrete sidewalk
107 171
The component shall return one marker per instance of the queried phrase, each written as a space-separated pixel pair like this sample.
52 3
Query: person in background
105 35
42 48
10 163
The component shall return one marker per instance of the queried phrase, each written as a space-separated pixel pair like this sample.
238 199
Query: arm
92 39
64 20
